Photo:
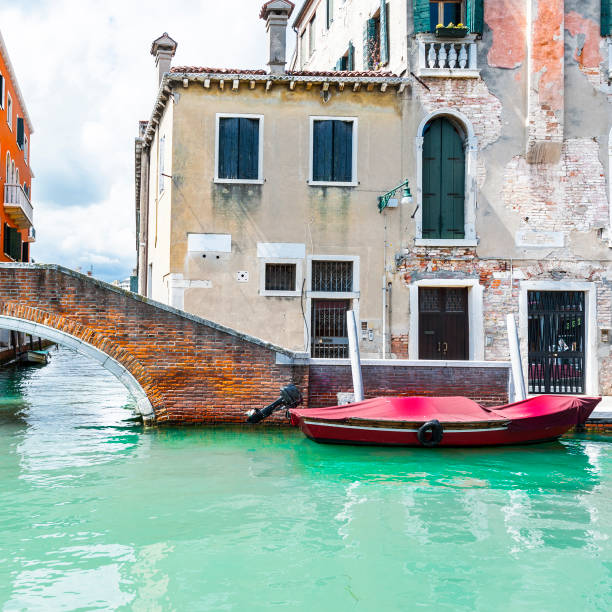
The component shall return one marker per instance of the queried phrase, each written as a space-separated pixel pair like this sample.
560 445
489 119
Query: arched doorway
443 181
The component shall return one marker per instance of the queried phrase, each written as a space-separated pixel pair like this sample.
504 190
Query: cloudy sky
85 72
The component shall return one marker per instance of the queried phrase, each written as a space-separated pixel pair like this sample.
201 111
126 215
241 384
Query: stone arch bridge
179 367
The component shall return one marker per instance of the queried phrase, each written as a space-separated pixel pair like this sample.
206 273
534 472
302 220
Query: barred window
280 277
333 276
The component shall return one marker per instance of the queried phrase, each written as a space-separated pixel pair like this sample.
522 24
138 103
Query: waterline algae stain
98 513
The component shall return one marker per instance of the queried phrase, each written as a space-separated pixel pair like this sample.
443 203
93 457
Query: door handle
445 347
439 347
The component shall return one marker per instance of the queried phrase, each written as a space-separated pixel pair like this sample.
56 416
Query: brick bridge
184 369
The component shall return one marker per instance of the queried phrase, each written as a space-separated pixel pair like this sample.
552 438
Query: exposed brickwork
190 371
488 386
399 346
569 195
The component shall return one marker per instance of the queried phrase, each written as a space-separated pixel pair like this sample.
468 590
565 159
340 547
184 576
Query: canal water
98 514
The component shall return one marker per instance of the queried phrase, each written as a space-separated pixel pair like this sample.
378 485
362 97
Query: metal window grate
556 341
332 276
329 331
280 277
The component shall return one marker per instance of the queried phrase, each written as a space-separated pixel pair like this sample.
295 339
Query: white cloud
87 77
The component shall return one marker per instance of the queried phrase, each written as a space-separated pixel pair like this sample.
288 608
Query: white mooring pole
351 324
515 357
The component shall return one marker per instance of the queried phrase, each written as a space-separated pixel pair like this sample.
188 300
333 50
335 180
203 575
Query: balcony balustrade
447 58
17 206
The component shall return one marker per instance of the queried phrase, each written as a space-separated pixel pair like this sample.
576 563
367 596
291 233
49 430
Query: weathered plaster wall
327 220
348 24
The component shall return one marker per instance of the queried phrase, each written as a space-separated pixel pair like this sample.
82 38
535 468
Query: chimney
277 13
163 48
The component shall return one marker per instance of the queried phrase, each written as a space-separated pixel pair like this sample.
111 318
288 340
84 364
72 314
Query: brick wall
191 371
486 385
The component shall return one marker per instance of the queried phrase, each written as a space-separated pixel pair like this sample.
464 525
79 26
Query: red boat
444 421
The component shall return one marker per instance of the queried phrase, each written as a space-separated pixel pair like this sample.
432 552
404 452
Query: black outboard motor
290 397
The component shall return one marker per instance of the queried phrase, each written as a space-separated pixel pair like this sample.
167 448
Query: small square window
239 148
280 277
333 151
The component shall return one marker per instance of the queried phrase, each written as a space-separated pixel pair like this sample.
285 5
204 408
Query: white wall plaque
537 240
217 243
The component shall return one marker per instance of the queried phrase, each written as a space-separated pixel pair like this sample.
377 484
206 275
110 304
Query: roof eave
11 70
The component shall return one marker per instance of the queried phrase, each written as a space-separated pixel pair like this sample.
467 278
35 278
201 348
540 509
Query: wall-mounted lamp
386 199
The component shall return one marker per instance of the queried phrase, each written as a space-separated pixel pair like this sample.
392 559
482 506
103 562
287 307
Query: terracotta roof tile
289 73
198 69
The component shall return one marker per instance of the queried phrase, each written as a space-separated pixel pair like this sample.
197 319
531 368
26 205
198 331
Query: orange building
16 214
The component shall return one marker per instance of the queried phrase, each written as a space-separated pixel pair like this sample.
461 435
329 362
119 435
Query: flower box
451 32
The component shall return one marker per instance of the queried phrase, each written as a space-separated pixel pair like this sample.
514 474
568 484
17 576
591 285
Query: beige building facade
258 192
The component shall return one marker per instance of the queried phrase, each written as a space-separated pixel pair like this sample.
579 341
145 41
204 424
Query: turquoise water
98 514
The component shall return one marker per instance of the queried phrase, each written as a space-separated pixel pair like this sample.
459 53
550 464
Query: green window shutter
384 33
432 168
369 44
248 149
339 64
5 239
452 183
330 13
322 151
228 147
475 16
606 17
351 57
342 170
420 10
443 182
20 132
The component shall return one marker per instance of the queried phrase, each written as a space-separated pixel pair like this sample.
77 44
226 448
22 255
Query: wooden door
443 323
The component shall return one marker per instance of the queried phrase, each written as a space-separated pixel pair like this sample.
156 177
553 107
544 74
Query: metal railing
15 197
438 57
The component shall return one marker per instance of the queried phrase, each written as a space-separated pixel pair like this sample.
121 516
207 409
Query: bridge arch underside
143 404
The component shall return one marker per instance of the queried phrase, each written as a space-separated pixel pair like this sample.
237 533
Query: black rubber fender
437 431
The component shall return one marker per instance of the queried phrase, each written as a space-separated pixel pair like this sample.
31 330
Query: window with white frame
333 151
239 148
280 277
9 111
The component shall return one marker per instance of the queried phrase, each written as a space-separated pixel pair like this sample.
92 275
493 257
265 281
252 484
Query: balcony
17 207
455 58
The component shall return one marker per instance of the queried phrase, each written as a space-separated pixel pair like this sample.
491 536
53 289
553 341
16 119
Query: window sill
445 242
332 184
270 293
333 295
222 181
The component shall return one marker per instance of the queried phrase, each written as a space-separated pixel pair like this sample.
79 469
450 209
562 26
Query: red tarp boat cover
449 409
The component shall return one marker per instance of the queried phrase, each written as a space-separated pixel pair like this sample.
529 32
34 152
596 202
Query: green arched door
443 181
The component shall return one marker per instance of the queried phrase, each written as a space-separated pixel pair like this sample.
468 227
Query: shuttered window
161 163
428 13
384 34
238 149
351 57
330 13
606 17
20 132
371 47
332 150
12 243
1 91
443 181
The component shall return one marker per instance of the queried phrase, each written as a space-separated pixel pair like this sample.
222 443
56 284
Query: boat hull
520 423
